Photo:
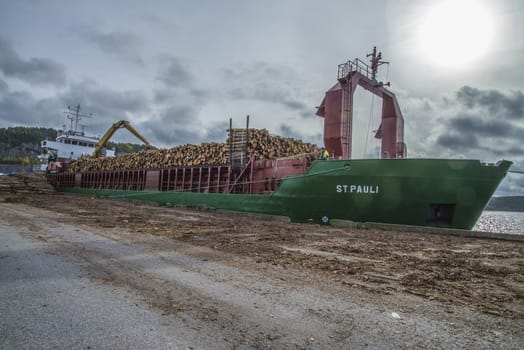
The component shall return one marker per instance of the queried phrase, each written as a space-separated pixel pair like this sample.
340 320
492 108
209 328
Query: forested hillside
21 145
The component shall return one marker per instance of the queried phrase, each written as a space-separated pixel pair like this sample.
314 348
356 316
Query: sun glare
455 33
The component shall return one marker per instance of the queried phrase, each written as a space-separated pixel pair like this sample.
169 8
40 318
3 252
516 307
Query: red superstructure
337 110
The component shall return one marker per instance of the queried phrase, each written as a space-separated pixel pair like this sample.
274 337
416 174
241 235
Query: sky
178 70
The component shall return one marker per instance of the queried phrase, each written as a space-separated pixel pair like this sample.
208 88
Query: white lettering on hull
365 189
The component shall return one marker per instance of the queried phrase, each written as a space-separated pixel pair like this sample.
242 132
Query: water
501 221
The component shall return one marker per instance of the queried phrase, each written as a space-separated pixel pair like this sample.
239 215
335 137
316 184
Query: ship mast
74 115
375 62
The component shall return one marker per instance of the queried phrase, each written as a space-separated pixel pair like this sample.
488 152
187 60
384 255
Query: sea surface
501 221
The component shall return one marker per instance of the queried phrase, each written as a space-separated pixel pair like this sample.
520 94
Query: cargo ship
391 189
70 144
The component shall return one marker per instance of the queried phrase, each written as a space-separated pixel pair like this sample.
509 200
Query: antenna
73 114
376 61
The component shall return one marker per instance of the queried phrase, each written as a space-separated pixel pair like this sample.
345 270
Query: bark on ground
258 283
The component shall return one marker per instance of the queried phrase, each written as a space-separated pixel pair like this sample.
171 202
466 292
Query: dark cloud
217 132
171 135
257 70
179 115
38 71
295 105
22 109
176 121
16 108
168 132
287 130
174 73
169 125
473 134
121 44
458 142
503 104
492 137
3 87
516 151
177 84
268 83
179 125
470 122
199 93
107 106
163 95
476 121
473 124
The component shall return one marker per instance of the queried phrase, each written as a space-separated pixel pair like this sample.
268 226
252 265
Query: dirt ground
483 276
487 275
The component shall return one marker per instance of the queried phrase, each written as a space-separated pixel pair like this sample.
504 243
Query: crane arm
136 133
109 133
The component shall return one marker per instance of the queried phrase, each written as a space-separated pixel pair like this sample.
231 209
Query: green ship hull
422 192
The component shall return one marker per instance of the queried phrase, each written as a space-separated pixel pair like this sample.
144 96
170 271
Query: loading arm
119 124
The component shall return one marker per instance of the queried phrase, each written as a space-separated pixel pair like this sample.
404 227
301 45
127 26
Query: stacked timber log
185 155
263 145
25 183
260 144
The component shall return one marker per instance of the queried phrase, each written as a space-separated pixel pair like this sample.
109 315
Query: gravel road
71 279
48 302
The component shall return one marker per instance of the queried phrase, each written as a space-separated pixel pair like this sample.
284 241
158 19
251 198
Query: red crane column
337 110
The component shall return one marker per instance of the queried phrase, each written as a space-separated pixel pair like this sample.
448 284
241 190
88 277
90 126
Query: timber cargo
292 181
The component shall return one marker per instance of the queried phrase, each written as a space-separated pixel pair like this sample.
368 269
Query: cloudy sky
178 70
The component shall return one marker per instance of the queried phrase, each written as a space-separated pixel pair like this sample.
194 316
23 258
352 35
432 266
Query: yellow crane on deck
118 125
